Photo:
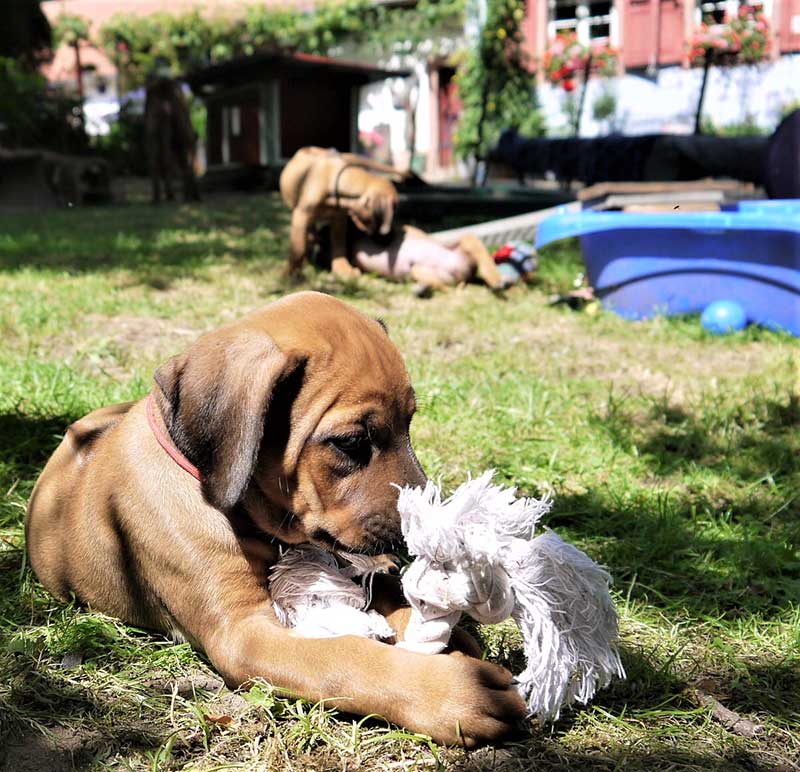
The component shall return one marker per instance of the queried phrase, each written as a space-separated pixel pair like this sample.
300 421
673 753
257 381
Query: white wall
377 107
668 102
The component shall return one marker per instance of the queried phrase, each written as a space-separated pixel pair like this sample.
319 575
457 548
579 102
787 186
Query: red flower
569 84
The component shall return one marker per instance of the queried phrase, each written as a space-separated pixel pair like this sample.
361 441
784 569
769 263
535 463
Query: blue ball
723 316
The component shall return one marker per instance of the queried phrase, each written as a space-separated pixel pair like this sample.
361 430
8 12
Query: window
564 15
236 121
599 20
590 20
715 11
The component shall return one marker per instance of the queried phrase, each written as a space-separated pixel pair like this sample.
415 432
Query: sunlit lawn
673 457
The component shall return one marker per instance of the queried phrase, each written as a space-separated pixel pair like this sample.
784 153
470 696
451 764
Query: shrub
30 117
188 39
496 83
124 146
605 106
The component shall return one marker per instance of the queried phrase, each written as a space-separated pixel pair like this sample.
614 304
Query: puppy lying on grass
355 201
286 427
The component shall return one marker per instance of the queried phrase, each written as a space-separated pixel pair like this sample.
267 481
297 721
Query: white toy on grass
475 553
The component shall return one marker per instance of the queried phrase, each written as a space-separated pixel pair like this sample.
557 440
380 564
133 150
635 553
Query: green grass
673 457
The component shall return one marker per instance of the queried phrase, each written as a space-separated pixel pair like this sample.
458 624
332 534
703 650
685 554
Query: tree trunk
79 74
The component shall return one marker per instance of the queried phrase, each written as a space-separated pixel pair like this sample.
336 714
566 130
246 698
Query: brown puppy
288 426
325 186
170 138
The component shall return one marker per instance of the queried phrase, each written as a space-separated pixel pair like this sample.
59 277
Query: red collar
166 442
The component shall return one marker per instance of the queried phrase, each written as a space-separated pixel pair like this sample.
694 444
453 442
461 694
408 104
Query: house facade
657 90
650 33
262 108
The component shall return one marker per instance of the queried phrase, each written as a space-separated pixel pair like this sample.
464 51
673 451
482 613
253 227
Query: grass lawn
673 457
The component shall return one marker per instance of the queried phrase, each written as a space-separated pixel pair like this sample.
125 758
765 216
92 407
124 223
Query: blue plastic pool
677 263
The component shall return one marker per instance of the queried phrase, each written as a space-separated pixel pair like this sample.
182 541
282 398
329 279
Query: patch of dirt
554 341
185 686
59 751
108 344
642 358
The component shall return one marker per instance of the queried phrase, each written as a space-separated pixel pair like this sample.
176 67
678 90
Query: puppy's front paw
348 273
469 702
293 273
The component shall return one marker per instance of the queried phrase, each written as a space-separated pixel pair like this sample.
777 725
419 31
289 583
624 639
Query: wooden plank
689 206
608 188
676 198
522 227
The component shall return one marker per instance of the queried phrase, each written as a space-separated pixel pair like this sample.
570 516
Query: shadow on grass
652 694
771 688
159 245
674 552
53 725
723 541
611 758
90 724
743 441
767 687
28 441
143 238
737 447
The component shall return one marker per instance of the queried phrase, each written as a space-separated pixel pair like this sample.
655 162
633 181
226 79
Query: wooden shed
262 108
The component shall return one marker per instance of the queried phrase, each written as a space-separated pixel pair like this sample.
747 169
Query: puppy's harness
335 192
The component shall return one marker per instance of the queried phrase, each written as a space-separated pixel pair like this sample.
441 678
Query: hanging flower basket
565 60
743 39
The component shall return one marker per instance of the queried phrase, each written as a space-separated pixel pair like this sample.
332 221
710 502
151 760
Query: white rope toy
475 553
311 594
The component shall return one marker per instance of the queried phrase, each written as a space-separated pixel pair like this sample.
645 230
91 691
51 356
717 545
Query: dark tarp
646 158
783 159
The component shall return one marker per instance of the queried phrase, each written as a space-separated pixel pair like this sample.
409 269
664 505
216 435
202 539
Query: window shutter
639 32
789 32
671 50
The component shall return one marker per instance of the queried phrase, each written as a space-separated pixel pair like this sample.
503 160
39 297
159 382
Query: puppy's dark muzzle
381 533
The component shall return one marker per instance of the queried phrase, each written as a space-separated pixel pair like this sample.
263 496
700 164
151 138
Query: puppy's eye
357 447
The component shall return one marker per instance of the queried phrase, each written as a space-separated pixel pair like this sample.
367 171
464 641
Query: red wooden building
649 33
262 108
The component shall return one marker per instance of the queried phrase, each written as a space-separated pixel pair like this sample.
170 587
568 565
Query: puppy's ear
362 214
387 205
214 399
